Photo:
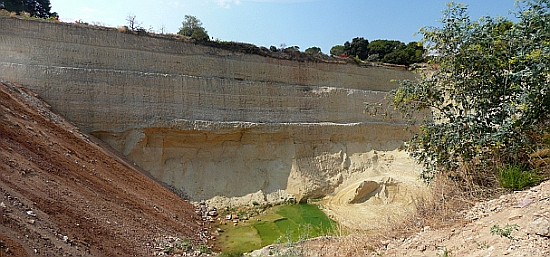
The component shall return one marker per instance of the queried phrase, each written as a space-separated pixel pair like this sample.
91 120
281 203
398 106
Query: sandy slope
389 194
61 193
529 210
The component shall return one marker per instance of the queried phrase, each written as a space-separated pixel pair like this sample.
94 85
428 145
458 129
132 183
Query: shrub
518 177
487 93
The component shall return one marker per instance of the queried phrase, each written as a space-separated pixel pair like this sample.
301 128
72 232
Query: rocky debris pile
207 213
518 200
175 246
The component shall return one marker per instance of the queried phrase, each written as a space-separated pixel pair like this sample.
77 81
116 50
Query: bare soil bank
61 193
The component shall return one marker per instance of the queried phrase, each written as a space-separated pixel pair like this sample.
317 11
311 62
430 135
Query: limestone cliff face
213 123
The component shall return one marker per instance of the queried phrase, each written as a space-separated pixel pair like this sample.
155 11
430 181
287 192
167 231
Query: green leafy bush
487 90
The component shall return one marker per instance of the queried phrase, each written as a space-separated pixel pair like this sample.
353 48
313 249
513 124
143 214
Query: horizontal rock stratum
216 124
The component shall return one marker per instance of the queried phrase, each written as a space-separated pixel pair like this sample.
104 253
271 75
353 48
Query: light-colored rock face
262 162
218 125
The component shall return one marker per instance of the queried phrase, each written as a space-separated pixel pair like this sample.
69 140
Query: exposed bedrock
223 126
259 162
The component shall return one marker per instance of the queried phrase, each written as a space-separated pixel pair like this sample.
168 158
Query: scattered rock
525 203
540 226
515 217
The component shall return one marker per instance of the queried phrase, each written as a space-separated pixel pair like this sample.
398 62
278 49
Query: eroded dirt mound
63 193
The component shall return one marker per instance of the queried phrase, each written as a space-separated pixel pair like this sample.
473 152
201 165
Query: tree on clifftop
37 8
358 47
313 50
488 93
192 27
337 50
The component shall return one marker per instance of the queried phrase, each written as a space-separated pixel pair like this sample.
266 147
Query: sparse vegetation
504 232
481 245
134 24
204 249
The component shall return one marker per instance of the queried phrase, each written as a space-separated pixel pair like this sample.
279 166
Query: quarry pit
223 126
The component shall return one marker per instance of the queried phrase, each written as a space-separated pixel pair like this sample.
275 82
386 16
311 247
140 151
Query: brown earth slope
63 194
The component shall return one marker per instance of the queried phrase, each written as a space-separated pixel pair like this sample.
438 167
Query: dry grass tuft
540 158
123 29
4 12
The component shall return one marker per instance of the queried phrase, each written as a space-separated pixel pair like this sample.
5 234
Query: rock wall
213 123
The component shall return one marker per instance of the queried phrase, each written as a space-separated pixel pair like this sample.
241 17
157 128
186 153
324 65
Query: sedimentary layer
213 123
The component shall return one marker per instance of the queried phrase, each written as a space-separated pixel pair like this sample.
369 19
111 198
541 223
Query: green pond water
275 225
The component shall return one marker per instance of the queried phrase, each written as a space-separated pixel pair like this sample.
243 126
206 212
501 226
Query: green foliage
445 253
504 232
408 54
337 50
389 51
488 93
358 47
192 27
313 50
204 249
383 47
518 177
200 35
168 249
185 245
36 8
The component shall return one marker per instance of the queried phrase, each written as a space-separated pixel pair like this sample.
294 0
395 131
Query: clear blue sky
305 23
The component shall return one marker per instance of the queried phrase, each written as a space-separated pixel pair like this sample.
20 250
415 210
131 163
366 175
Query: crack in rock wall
215 124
